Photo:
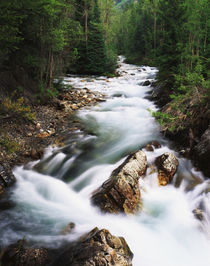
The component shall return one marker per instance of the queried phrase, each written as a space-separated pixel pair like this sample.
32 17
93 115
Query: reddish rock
167 165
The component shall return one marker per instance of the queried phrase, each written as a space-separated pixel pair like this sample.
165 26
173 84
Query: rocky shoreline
55 122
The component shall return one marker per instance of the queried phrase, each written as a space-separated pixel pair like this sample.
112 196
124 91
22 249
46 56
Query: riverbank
23 140
186 123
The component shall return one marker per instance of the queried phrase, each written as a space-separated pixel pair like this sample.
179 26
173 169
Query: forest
49 38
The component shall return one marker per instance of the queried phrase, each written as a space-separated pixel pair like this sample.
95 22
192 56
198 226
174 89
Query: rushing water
165 233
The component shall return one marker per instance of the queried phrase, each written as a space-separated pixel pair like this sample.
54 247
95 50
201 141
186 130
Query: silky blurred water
56 191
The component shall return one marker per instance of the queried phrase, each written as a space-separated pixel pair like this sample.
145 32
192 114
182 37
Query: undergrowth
16 108
9 144
190 99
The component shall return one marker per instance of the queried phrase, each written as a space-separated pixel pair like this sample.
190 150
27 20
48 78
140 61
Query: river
164 233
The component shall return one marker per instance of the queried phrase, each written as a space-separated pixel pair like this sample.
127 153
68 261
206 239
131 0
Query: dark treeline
174 36
41 39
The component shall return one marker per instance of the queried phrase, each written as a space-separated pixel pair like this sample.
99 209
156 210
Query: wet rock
118 95
167 165
7 179
68 229
198 214
100 100
152 145
185 152
18 255
156 144
201 153
146 83
149 147
120 193
99 247
36 154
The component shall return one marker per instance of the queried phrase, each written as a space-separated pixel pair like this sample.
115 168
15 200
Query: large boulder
167 165
201 153
121 193
96 248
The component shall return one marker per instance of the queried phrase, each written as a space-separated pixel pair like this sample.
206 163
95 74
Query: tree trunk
51 69
86 26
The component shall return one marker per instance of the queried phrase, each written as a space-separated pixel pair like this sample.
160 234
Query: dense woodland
41 40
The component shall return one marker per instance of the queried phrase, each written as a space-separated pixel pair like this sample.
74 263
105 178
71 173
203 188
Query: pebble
38 126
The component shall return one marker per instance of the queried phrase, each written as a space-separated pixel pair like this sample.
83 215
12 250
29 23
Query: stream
51 193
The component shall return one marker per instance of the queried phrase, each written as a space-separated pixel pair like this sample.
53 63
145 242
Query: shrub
17 109
10 145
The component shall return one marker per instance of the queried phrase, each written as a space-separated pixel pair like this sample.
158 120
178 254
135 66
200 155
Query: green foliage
9 144
190 98
44 93
17 109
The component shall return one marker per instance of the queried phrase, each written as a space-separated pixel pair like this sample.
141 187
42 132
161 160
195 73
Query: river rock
201 153
36 154
149 147
146 83
7 178
99 247
18 255
68 229
156 144
121 193
167 165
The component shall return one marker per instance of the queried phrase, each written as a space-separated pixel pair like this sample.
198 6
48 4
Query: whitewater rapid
56 191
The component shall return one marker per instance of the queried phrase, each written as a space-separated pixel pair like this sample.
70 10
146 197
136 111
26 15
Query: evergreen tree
171 15
96 56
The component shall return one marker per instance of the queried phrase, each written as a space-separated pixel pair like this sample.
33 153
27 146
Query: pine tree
96 56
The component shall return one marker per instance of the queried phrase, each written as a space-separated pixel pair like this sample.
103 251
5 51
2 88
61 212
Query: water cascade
56 191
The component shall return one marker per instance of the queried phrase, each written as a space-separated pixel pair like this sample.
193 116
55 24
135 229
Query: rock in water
167 165
7 179
96 248
18 255
146 83
120 193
